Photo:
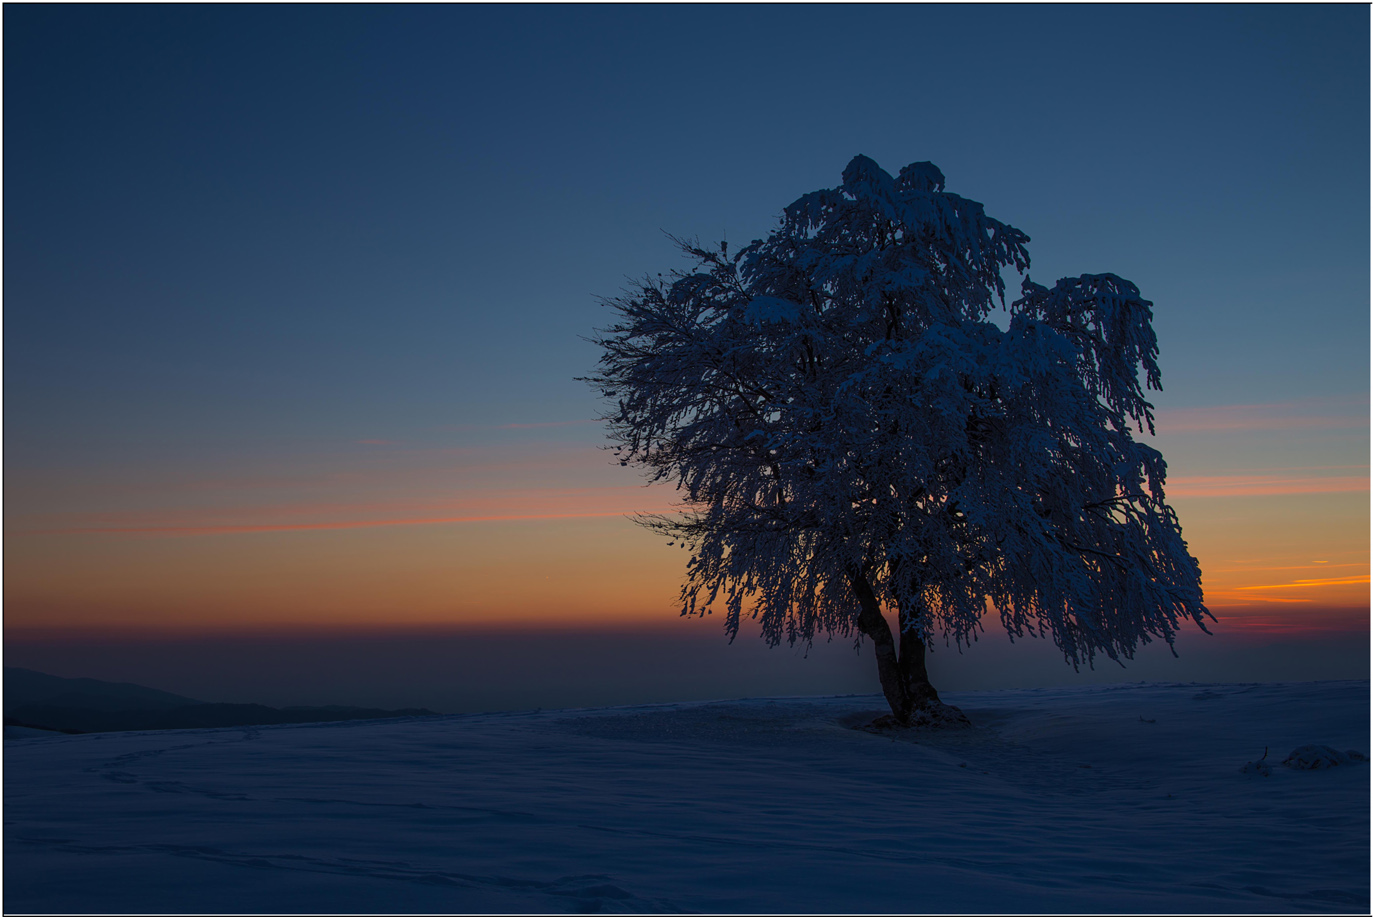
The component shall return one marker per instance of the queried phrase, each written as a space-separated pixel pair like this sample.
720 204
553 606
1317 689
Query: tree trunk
912 661
905 680
872 625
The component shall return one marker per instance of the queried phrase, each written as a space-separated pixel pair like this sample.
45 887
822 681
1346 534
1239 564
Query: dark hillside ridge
25 686
77 705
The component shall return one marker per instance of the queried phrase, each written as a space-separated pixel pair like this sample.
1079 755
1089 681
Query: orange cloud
1350 590
1314 583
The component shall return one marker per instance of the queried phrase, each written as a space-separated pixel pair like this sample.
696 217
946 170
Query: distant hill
75 705
25 686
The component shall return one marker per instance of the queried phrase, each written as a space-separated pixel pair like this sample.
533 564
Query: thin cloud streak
1315 619
1263 485
540 426
1270 569
543 425
477 503
1314 583
433 467
1317 414
323 526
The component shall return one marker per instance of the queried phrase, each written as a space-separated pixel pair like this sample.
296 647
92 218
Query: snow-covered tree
850 434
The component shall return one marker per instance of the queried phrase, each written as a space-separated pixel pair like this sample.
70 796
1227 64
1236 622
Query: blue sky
352 215
305 245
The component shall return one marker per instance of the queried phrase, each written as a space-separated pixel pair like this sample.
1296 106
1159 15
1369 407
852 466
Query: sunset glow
424 536
296 346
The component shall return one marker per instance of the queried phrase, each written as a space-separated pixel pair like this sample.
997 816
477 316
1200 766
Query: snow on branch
833 399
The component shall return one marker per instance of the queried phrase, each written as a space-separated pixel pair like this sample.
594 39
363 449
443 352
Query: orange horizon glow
382 534
551 568
476 505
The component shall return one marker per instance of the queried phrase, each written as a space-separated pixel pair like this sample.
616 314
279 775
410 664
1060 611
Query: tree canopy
850 432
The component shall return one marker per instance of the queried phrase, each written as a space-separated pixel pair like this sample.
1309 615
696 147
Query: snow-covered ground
1119 798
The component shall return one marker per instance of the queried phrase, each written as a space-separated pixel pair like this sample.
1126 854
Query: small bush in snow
1260 767
1315 758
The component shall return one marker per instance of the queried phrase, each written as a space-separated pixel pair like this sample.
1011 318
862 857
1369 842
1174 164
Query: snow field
1122 798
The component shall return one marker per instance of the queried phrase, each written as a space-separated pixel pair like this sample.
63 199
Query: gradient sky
294 295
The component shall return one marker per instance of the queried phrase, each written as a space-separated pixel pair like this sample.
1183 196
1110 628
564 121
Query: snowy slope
1112 798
